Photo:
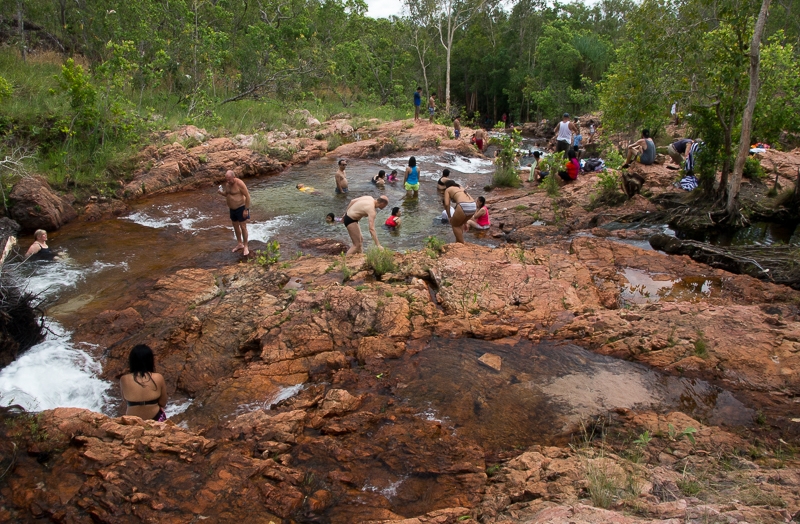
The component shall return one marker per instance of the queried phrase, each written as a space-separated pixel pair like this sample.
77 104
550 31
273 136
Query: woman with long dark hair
143 389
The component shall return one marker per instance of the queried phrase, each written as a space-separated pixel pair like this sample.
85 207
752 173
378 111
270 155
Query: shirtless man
341 177
358 208
431 106
238 199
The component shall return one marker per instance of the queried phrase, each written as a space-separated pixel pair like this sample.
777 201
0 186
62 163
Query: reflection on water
644 288
756 234
543 390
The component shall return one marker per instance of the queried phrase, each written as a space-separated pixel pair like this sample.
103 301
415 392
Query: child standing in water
394 218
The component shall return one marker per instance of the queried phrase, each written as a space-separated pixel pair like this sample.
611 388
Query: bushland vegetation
84 84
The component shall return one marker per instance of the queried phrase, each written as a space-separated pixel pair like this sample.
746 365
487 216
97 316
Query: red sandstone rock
37 206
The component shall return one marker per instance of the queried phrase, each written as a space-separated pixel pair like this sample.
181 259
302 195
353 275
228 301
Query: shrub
346 272
608 190
381 261
505 177
753 169
5 89
334 141
268 256
435 245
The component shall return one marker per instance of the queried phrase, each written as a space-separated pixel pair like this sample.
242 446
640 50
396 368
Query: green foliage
346 271
552 163
380 260
607 190
434 245
505 177
753 169
5 89
268 256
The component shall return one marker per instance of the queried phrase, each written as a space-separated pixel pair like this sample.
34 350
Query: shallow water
756 234
644 287
108 263
544 390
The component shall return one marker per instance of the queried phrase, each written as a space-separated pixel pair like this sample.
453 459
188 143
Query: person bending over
465 208
358 208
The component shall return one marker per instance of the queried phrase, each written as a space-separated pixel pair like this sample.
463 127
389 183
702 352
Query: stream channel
541 390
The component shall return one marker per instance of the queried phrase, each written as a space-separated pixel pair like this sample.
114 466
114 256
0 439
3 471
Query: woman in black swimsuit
143 389
39 249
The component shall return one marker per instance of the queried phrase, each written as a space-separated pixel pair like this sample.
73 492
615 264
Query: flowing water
107 263
538 390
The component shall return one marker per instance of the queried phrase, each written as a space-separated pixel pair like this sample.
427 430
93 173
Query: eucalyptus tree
449 17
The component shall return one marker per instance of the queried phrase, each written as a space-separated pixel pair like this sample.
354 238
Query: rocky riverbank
317 397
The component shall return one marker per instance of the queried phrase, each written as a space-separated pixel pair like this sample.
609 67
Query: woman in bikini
465 207
143 389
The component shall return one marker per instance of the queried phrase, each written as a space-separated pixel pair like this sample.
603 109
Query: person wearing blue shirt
417 103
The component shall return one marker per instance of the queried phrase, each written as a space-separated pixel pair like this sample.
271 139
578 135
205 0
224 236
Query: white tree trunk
735 180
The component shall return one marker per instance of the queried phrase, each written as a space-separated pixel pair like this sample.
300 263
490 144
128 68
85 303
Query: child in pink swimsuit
480 220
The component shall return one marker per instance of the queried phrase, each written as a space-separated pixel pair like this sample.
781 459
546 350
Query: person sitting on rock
394 219
39 250
536 173
480 220
572 167
143 389
642 151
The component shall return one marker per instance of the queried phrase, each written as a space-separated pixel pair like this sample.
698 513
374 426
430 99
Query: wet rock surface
569 376
367 400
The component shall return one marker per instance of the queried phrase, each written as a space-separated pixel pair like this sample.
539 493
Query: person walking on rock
564 131
431 106
238 199
358 208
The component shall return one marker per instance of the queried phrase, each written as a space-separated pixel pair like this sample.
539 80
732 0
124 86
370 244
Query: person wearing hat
564 131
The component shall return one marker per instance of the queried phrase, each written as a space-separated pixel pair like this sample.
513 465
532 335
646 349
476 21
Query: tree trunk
21 27
447 81
735 181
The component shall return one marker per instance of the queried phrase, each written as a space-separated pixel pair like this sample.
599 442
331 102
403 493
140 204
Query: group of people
460 209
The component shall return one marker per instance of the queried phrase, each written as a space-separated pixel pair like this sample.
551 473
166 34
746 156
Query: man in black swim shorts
361 207
238 199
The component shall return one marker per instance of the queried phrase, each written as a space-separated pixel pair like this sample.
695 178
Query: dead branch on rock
778 264
12 166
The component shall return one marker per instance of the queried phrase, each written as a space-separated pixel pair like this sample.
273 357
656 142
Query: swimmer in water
330 218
